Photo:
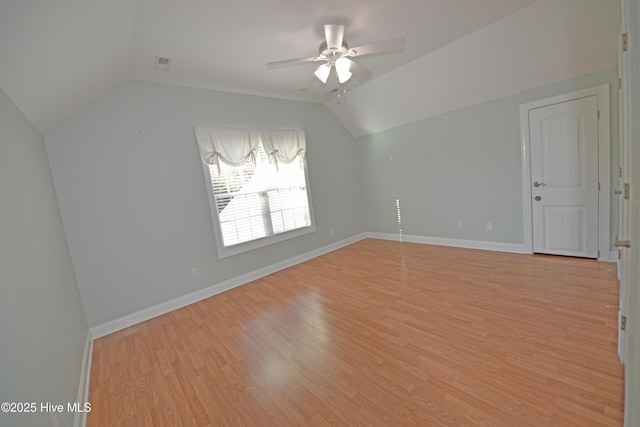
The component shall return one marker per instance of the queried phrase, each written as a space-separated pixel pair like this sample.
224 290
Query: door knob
538 198
538 184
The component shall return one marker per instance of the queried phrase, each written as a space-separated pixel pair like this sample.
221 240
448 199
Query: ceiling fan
335 55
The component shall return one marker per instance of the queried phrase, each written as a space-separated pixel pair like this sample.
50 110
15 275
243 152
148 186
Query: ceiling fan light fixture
322 73
343 66
334 52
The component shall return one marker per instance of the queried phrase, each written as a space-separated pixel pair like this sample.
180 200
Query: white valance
283 145
236 147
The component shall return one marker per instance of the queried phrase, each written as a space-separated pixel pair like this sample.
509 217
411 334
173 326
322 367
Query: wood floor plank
377 334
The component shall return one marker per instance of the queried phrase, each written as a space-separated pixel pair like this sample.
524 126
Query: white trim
182 301
604 164
457 243
80 419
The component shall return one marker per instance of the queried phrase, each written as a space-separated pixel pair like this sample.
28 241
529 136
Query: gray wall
133 198
134 204
463 165
42 323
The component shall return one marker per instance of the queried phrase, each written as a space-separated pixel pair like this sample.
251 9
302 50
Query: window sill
224 252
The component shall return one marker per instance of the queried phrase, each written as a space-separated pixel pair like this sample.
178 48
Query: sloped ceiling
57 55
549 41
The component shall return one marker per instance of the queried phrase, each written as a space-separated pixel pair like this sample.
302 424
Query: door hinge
625 42
623 323
621 243
599 187
619 83
620 171
626 191
598 253
619 254
598 114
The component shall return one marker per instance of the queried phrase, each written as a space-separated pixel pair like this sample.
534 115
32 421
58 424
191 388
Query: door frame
626 176
629 68
604 164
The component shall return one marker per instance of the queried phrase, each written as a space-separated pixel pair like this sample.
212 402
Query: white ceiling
57 55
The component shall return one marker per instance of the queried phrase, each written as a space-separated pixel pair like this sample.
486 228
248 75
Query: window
257 186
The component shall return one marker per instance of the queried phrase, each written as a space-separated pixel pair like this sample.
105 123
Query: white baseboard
458 243
182 301
176 303
80 419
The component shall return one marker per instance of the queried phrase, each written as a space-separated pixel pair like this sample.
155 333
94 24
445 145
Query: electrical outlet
489 226
460 225
195 272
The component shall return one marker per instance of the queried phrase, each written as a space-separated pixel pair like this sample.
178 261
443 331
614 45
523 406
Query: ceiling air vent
162 63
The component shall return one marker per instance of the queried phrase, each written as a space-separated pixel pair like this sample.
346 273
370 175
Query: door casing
604 165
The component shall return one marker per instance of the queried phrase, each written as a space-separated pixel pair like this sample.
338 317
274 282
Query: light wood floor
378 334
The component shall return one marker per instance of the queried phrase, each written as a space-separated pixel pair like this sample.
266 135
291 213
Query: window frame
227 251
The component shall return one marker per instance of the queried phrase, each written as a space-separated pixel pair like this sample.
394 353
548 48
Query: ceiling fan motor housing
329 52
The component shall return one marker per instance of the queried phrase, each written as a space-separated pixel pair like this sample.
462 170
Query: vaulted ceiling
58 55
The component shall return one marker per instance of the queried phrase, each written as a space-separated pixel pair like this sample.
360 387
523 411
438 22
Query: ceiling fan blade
307 83
386 46
334 34
297 61
359 71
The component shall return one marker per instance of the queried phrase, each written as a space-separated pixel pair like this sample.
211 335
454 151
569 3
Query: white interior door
564 175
